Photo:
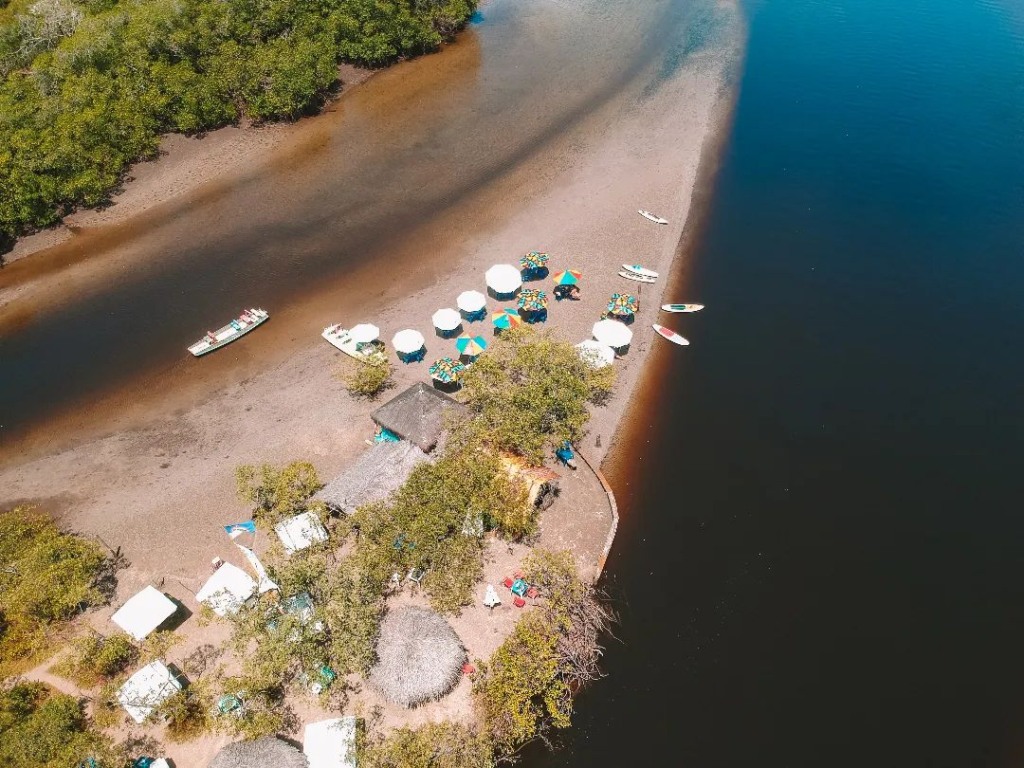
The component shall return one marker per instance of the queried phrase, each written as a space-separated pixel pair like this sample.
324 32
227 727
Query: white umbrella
447 319
504 278
364 333
595 354
408 341
471 301
613 333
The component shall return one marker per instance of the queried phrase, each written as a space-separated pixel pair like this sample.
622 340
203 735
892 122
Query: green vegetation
46 578
369 379
43 729
87 86
276 494
94 658
436 745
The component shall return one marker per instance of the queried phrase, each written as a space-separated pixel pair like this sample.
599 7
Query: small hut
417 415
267 752
373 477
419 657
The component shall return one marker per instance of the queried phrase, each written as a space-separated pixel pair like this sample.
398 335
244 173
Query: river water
821 561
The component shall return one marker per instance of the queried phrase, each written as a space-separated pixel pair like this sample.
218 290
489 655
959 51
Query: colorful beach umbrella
446 370
623 304
408 341
613 333
446 319
471 301
470 345
532 300
504 278
534 260
507 318
568 277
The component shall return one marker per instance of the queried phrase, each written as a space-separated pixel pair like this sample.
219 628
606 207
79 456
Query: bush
277 493
435 745
94 658
369 379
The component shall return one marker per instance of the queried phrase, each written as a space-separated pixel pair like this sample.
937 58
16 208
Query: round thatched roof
268 752
419 657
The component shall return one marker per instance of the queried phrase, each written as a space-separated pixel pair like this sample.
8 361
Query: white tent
408 341
504 278
613 333
595 354
446 319
471 301
147 689
364 333
144 612
301 531
227 589
331 743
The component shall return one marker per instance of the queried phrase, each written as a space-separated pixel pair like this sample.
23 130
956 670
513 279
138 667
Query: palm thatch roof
373 477
419 657
417 415
267 752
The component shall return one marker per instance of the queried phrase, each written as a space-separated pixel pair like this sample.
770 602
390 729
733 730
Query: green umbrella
446 370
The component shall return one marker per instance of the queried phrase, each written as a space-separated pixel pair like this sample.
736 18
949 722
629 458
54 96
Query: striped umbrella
507 318
623 304
446 370
534 260
568 277
470 345
532 300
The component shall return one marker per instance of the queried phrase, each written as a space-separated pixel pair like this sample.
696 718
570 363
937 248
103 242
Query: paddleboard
642 271
669 334
682 307
652 217
636 278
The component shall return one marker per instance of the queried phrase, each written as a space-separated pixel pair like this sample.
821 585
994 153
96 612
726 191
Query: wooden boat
651 217
669 334
636 278
682 307
639 270
236 329
341 338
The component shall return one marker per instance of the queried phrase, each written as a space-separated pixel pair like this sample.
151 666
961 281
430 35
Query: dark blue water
821 561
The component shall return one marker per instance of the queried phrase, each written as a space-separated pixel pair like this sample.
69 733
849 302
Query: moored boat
236 329
340 338
638 269
668 333
682 307
636 278
652 217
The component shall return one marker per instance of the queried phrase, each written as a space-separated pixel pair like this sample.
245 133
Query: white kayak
639 270
669 334
682 307
636 278
652 217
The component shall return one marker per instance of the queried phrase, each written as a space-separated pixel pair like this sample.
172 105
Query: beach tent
147 689
297 533
595 354
364 333
144 612
331 743
227 589
613 333
504 279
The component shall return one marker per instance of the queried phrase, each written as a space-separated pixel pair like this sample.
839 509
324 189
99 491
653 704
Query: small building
374 476
145 612
147 689
331 743
227 590
265 752
301 531
418 415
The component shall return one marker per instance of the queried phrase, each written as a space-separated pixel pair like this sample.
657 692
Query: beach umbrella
507 318
568 277
534 260
470 345
446 370
623 304
532 300
595 354
447 319
408 341
504 278
364 333
613 333
471 301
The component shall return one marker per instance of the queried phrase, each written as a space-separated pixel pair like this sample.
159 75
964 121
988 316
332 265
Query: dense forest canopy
89 85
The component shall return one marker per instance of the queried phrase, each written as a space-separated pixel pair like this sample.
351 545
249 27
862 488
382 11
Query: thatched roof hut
417 415
419 657
373 477
267 752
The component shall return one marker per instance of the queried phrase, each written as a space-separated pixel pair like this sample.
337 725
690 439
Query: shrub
435 745
369 379
277 493
94 658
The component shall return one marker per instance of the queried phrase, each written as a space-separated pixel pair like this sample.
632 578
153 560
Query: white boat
668 333
236 329
652 217
636 278
682 307
341 338
640 270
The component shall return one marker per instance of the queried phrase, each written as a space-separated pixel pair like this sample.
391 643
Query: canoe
669 334
236 329
652 217
639 270
636 278
682 307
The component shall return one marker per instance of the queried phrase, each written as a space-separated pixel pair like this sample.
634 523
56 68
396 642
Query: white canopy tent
364 333
613 333
504 278
446 319
331 743
408 341
227 589
147 689
595 354
144 612
471 301
297 533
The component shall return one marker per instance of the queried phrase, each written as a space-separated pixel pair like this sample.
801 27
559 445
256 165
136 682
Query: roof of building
144 612
298 532
417 415
331 743
380 471
227 589
147 689
266 752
